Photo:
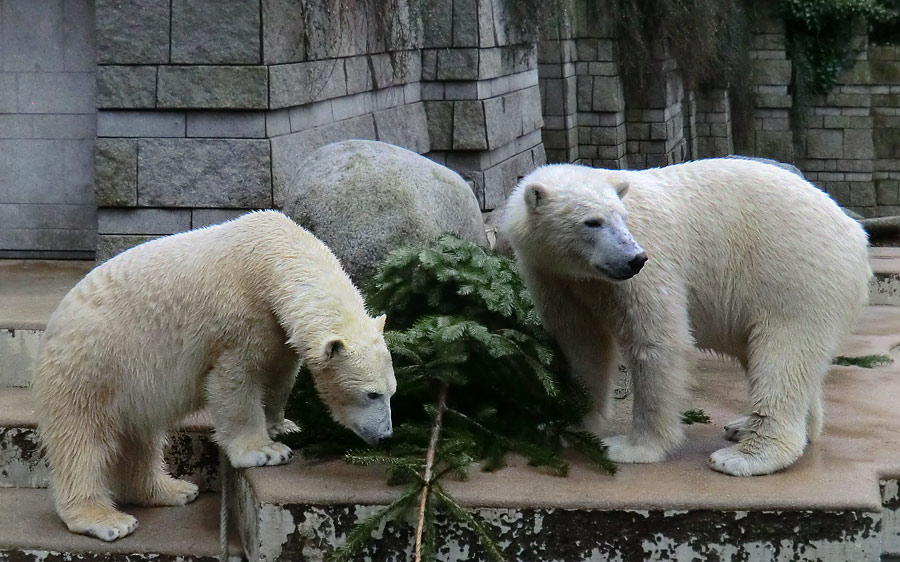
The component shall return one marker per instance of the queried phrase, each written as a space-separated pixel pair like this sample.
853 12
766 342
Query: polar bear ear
380 321
620 185
535 195
333 347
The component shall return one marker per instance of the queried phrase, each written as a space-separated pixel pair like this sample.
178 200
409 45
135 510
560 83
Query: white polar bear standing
219 317
745 259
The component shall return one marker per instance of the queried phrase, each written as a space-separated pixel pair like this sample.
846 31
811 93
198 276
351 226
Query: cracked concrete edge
312 532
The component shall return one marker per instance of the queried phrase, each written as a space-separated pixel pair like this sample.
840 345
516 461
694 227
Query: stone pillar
712 124
884 68
654 119
772 137
480 86
838 150
557 55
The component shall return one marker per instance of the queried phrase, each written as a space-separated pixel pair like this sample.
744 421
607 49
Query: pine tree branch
429 466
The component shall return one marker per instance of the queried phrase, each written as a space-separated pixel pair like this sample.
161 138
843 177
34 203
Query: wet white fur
217 317
745 259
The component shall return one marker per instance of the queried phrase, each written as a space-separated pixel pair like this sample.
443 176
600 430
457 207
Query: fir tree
477 378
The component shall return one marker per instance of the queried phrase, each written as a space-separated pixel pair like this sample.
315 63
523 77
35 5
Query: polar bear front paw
738 429
621 449
282 427
735 462
269 455
108 525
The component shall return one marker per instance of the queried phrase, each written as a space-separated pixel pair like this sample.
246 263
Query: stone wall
200 122
205 108
47 129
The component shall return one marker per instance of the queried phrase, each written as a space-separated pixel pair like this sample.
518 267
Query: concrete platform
31 531
839 502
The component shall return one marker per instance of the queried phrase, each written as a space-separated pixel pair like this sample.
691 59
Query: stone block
486 36
772 72
109 245
437 21
490 63
608 94
884 71
391 97
213 87
352 106
773 101
440 124
233 173
310 115
143 221
461 91
584 93
140 124
79 36
777 145
215 32
824 143
63 126
115 165
886 142
56 92
457 64
132 31
31 36
126 87
405 126
283 36
359 76
227 124
858 144
302 83
465 31
469 126
862 194
887 192
503 118
207 217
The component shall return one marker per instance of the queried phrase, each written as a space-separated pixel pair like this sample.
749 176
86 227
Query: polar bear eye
374 395
593 223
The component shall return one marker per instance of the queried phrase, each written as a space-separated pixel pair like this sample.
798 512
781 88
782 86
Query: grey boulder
366 198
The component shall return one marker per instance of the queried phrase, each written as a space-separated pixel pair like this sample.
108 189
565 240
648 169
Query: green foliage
461 319
695 415
864 361
819 37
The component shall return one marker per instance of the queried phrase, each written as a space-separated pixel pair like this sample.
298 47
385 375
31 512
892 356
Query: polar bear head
354 376
571 219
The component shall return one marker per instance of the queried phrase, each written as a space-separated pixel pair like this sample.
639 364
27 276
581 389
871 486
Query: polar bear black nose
637 262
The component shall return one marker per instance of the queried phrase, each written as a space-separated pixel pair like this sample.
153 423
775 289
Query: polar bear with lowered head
220 318
735 256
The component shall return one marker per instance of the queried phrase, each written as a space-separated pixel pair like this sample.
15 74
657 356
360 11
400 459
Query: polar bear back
166 308
749 241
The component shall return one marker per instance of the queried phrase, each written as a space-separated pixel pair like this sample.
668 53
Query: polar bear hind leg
786 377
146 480
81 462
234 393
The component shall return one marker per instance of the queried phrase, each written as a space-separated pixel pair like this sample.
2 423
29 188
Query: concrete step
191 455
30 290
840 502
31 531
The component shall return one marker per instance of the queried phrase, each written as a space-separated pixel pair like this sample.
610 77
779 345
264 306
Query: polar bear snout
637 262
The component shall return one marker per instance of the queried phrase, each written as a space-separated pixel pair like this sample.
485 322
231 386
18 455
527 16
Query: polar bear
742 258
219 318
